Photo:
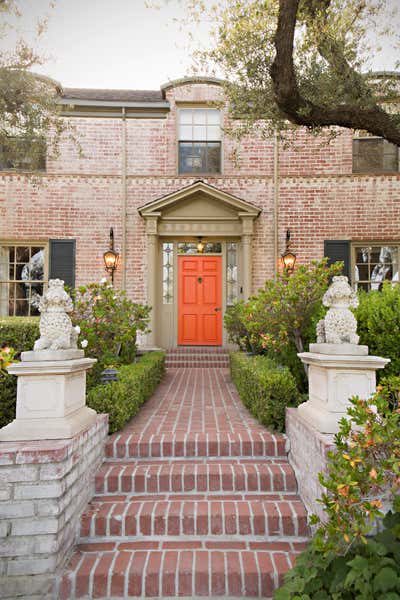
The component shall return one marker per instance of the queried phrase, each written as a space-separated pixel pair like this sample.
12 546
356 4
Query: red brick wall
80 197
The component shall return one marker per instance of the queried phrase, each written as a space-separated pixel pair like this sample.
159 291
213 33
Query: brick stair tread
192 476
243 442
172 569
252 517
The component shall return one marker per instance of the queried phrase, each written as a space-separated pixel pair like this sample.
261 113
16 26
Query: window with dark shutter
338 250
62 261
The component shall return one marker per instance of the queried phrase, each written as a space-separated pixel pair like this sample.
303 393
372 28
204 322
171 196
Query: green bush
378 317
19 333
265 388
122 399
280 319
369 571
344 560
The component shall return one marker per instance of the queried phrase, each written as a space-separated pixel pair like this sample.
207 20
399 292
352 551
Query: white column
247 266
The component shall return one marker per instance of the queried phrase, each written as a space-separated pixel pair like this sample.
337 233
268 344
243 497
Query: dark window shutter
336 250
62 261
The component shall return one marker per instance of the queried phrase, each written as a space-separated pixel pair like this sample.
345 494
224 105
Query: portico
174 224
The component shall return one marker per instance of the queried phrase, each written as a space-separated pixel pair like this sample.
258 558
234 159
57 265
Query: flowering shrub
280 319
343 560
107 322
7 355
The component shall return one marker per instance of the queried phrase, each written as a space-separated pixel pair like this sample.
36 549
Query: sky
119 43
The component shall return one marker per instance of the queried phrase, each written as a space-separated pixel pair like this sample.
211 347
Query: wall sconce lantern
288 257
200 245
111 257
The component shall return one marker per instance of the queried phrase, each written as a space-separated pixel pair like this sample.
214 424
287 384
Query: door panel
199 294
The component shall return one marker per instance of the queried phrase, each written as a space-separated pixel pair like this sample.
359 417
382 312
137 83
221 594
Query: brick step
194 444
195 364
190 476
198 350
195 518
175 569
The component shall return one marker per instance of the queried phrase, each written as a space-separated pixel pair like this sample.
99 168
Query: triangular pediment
202 201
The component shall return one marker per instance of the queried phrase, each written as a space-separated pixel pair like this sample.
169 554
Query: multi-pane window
374 264
168 273
191 248
371 154
23 274
199 139
232 289
23 155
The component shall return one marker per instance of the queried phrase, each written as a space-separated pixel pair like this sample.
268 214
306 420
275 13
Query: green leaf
386 580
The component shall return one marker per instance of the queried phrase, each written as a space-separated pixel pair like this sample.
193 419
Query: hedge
19 333
265 387
122 399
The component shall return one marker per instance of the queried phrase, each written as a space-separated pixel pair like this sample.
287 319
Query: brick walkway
195 499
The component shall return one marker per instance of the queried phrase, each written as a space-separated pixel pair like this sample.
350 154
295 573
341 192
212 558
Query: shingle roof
91 94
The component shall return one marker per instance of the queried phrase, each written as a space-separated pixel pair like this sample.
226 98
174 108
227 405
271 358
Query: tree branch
301 111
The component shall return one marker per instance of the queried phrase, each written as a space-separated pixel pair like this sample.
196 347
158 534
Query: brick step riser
190 483
193 448
195 519
182 365
198 350
173 573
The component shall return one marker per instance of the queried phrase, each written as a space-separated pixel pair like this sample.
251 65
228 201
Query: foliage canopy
304 62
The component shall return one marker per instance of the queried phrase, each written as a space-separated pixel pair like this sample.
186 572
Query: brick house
158 168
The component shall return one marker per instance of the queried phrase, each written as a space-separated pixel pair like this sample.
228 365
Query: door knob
217 308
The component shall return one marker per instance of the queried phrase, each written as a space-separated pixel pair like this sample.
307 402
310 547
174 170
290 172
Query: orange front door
200 296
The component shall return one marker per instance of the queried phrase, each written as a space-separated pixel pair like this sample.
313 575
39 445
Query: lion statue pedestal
338 368
51 394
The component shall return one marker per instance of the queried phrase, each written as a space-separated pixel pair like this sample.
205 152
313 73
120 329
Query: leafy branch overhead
305 62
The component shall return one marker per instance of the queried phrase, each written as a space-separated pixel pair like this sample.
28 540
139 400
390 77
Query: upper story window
23 155
372 154
199 140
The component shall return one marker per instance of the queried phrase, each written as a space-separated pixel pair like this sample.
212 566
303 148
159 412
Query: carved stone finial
56 331
339 325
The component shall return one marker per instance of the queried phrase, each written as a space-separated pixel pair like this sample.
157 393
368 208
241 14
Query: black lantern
288 257
111 257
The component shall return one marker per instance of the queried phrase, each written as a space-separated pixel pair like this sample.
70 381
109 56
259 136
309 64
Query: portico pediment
199 209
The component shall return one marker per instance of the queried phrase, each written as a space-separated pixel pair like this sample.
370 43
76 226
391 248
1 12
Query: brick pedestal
308 457
44 487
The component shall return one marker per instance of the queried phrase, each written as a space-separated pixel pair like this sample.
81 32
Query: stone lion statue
56 331
339 325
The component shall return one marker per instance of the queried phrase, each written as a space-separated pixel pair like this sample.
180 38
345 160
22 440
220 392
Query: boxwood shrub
265 387
19 333
122 399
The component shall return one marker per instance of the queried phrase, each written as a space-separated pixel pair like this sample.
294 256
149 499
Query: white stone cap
56 367
344 361
339 349
51 355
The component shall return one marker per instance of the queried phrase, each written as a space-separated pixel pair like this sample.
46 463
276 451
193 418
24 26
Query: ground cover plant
265 387
347 557
123 398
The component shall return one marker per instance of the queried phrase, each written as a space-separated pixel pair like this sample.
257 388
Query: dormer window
199 140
